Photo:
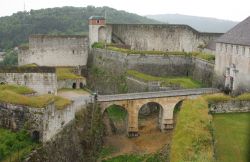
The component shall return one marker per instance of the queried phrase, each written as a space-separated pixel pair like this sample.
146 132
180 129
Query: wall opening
102 34
149 118
74 86
36 136
81 85
115 120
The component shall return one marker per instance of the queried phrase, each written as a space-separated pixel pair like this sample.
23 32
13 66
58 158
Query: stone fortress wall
157 65
47 50
42 79
42 123
160 37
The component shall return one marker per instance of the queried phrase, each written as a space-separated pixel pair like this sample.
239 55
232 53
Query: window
237 49
97 21
226 47
243 51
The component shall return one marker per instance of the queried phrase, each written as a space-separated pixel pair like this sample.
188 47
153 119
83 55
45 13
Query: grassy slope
232 134
184 82
192 140
116 113
17 89
11 142
13 94
66 73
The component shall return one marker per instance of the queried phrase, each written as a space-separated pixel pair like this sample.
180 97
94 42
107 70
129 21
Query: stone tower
98 30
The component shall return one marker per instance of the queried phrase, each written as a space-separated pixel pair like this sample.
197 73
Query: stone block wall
42 80
162 37
45 122
46 50
230 107
157 65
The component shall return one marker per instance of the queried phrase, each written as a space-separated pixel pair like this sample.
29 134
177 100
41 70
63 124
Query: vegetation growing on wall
192 139
113 83
113 47
16 88
15 146
182 82
215 98
66 73
14 94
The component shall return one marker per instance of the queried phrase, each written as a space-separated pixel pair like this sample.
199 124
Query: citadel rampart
42 79
161 37
47 50
42 123
157 65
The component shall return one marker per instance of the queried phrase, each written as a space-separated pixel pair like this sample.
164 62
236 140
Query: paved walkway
145 95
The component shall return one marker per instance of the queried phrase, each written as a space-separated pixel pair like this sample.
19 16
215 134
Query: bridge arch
147 111
115 117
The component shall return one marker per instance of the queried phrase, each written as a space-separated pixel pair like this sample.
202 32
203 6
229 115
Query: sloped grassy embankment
182 82
15 95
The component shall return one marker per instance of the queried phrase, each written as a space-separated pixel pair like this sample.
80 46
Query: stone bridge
132 103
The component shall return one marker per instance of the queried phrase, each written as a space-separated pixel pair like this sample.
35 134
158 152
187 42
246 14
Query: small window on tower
97 21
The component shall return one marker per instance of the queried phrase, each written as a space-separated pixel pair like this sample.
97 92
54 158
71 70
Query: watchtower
98 30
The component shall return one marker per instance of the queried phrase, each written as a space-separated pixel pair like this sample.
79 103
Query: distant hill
15 29
202 24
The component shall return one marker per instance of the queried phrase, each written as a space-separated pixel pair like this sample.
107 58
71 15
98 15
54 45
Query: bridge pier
167 120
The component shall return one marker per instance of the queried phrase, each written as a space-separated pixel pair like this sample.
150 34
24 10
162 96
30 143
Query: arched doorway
36 136
81 85
74 86
115 120
149 117
102 36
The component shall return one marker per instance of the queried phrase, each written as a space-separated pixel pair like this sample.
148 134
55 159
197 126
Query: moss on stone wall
79 141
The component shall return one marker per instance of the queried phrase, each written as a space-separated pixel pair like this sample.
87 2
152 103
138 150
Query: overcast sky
236 10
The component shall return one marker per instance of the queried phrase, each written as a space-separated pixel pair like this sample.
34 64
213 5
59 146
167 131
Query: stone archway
115 119
102 34
150 117
74 85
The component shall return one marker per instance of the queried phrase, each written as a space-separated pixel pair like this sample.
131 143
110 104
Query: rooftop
240 34
96 18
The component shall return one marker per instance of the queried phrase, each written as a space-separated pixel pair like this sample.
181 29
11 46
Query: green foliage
106 151
232 137
16 88
192 139
116 113
183 82
12 143
10 58
243 97
66 73
215 98
100 77
15 29
11 96
113 47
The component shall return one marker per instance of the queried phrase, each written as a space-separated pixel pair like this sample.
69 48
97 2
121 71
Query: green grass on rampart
16 88
7 96
216 98
112 47
192 138
183 82
66 73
